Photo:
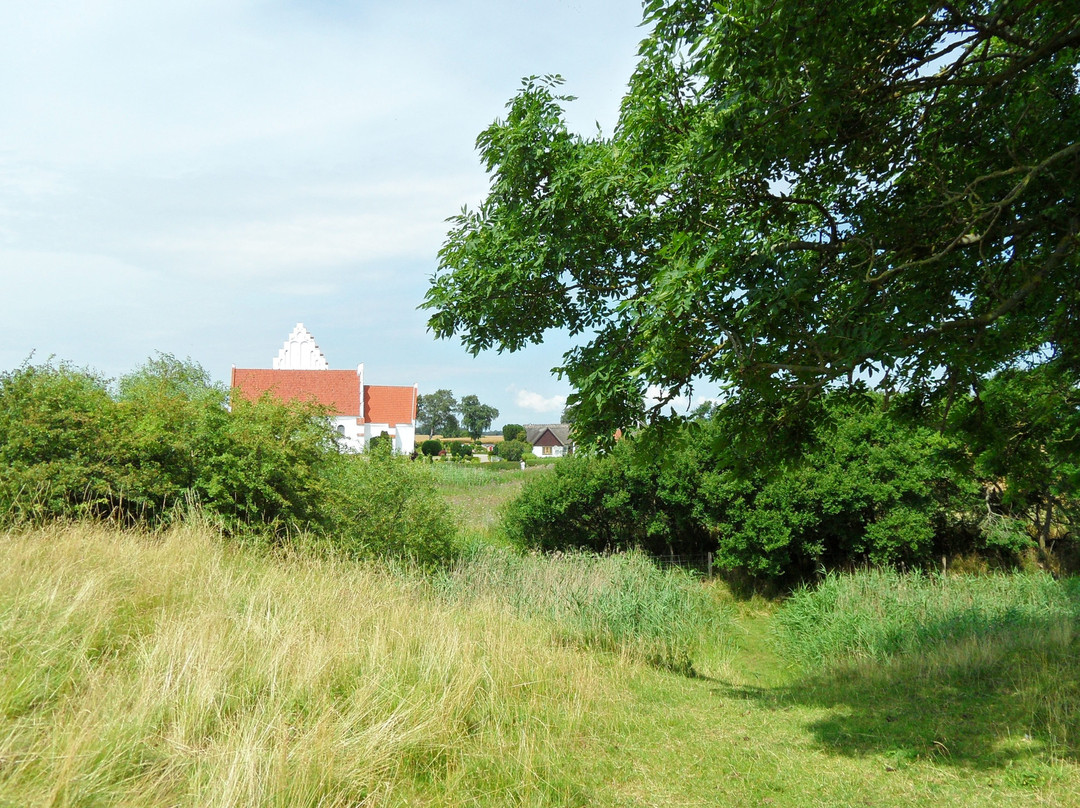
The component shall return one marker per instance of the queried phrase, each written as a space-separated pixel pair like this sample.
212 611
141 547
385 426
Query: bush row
165 440
862 485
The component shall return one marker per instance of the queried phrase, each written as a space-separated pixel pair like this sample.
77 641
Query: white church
358 411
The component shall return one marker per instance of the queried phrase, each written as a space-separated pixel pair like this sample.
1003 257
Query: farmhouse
549 440
358 411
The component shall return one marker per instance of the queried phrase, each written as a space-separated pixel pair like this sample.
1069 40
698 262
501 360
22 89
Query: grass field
175 670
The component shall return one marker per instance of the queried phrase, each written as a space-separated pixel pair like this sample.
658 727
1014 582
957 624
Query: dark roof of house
548 434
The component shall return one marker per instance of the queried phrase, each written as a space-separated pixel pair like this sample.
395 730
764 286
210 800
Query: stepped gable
300 352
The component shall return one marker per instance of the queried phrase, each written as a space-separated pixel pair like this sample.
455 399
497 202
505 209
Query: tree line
439 411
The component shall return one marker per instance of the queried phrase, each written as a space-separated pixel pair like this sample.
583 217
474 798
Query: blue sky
196 177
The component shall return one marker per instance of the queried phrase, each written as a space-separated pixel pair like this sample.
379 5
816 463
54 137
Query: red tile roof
389 405
337 391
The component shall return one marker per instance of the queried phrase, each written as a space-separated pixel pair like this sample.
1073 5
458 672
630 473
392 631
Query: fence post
710 565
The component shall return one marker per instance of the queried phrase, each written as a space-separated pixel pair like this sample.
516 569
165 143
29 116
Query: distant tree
513 432
476 416
435 411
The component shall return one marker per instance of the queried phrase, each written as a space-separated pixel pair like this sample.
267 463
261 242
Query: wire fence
700 562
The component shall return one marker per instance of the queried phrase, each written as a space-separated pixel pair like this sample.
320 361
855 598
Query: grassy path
753 735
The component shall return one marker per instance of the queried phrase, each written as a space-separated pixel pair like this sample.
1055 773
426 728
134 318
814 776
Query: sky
197 177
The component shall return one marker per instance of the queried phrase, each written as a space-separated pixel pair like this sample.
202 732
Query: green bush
512 450
866 488
379 504
615 502
431 448
166 441
461 450
513 432
63 451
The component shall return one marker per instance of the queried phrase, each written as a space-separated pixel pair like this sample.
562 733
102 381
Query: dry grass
171 671
175 671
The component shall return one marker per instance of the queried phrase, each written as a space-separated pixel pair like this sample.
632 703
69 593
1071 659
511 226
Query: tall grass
461 475
621 603
878 614
956 642
141 671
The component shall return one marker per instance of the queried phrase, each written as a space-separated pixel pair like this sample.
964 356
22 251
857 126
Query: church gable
300 352
358 412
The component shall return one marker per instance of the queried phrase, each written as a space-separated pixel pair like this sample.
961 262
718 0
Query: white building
549 440
358 411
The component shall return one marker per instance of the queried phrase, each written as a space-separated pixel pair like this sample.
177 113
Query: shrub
379 504
431 448
166 440
461 450
513 432
63 453
609 503
867 490
512 450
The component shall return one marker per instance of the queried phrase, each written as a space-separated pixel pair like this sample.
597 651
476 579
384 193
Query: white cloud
682 405
537 403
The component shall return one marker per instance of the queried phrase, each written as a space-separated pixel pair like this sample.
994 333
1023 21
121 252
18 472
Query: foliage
459 450
513 432
476 417
512 450
1024 429
60 453
431 448
881 613
380 443
869 488
608 503
386 506
434 411
620 603
795 195
166 443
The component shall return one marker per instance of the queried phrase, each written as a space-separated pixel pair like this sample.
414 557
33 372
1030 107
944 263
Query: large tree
476 417
435 412
797 194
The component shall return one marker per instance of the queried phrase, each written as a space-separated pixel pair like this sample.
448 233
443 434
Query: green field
175 669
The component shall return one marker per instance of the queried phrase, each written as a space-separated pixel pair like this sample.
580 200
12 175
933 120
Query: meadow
173 668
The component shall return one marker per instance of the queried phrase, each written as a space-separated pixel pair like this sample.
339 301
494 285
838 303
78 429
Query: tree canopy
435 412
476 417
798 195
